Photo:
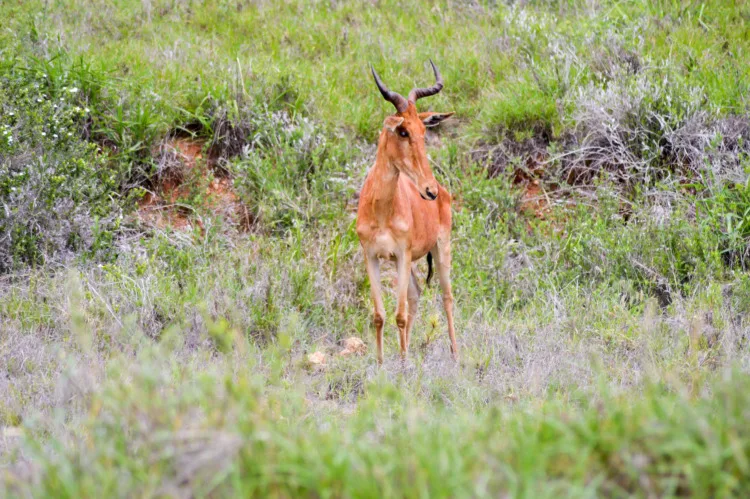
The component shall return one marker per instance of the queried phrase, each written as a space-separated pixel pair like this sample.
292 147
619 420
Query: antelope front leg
414 292
373 272
403 264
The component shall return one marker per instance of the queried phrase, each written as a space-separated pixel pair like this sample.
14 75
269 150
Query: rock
317 359
11 432
353 345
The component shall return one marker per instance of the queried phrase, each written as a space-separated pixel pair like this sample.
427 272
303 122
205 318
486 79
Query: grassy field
599 165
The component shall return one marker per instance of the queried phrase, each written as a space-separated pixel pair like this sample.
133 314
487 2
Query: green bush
57 194
291 170
728 213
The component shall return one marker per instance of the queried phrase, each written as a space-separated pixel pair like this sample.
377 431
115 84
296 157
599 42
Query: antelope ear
433 119
393 122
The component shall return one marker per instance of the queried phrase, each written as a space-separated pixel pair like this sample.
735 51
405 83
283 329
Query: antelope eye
403 133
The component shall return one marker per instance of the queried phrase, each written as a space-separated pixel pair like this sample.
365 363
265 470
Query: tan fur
397 221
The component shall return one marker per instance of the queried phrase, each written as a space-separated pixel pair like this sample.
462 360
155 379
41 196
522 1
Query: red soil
163 208
534 200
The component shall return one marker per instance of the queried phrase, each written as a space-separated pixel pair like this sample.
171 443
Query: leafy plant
728 211
58 196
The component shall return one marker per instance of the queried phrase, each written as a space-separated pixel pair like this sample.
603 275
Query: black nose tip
430 194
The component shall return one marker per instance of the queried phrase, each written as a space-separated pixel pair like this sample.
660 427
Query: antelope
404 214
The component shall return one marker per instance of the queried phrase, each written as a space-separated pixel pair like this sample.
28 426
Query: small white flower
54 135
39 99
11 113
73 90
44 134
87 110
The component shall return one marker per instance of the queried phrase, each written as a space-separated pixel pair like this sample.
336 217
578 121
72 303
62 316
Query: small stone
353 345
12 432
317 358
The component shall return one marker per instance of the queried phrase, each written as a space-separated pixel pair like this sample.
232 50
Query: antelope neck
386 177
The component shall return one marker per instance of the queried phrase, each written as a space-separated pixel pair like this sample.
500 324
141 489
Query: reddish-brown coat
403 215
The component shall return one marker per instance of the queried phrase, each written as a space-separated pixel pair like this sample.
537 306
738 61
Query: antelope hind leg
403 264
442 256
413 298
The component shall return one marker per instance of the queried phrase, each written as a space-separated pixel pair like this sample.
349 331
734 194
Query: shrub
290 169
57 194
623 129
728 212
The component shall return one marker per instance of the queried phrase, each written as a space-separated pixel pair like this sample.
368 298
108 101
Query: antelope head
402 137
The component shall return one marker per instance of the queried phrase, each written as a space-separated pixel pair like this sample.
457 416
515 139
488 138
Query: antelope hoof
404 356
454 354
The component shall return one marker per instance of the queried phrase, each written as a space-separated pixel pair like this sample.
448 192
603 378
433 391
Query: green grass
258 436
313 57
604 347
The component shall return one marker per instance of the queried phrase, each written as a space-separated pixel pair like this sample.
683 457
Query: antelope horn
393 97
418 93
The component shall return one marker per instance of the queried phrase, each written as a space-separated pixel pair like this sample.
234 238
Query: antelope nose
430 194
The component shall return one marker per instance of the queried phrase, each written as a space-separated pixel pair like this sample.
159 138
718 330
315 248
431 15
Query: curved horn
393 97
418 93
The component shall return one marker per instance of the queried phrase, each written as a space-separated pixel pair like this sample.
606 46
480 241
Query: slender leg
442 256
413 297
373 272
403 264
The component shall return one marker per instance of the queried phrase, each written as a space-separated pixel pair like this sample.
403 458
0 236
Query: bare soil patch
525 163
187 188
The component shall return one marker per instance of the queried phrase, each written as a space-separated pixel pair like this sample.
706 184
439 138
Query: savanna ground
177 179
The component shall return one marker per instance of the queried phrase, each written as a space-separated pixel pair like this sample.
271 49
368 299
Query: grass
313 58
604 343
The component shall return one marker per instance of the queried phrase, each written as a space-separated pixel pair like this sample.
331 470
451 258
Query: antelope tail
429 268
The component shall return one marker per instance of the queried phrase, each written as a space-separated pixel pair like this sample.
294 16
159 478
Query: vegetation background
177 180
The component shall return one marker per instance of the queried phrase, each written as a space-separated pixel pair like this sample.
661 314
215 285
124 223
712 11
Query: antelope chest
384 245
384 241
